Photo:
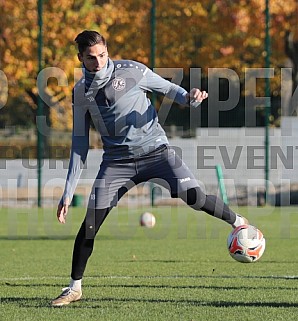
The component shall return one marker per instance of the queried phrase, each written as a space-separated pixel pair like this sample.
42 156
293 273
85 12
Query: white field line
29 278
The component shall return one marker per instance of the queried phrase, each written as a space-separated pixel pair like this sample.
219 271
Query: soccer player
112 95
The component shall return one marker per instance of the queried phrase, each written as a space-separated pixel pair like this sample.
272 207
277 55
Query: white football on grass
147 220
246 244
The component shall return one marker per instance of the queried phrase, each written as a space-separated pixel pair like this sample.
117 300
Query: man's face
94 57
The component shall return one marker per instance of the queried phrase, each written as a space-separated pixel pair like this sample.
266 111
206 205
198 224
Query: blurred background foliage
193 34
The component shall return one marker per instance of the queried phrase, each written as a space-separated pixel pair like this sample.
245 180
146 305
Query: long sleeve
79 150
154 83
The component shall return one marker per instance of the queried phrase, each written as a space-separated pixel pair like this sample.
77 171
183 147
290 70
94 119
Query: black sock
210 204
84 241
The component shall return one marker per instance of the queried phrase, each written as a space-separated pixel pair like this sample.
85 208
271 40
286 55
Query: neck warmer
97 80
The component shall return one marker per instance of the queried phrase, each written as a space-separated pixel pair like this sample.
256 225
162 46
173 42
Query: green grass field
179 270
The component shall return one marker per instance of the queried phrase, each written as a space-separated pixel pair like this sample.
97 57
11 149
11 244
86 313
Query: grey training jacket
122 114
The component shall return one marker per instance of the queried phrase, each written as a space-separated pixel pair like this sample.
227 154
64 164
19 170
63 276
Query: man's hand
62 211
197 96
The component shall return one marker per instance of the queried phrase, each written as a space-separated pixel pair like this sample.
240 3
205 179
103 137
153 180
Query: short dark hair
89 38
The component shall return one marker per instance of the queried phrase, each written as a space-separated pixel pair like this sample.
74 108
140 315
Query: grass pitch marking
29 278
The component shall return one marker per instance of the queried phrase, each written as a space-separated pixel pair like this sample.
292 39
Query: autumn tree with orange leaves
205 34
